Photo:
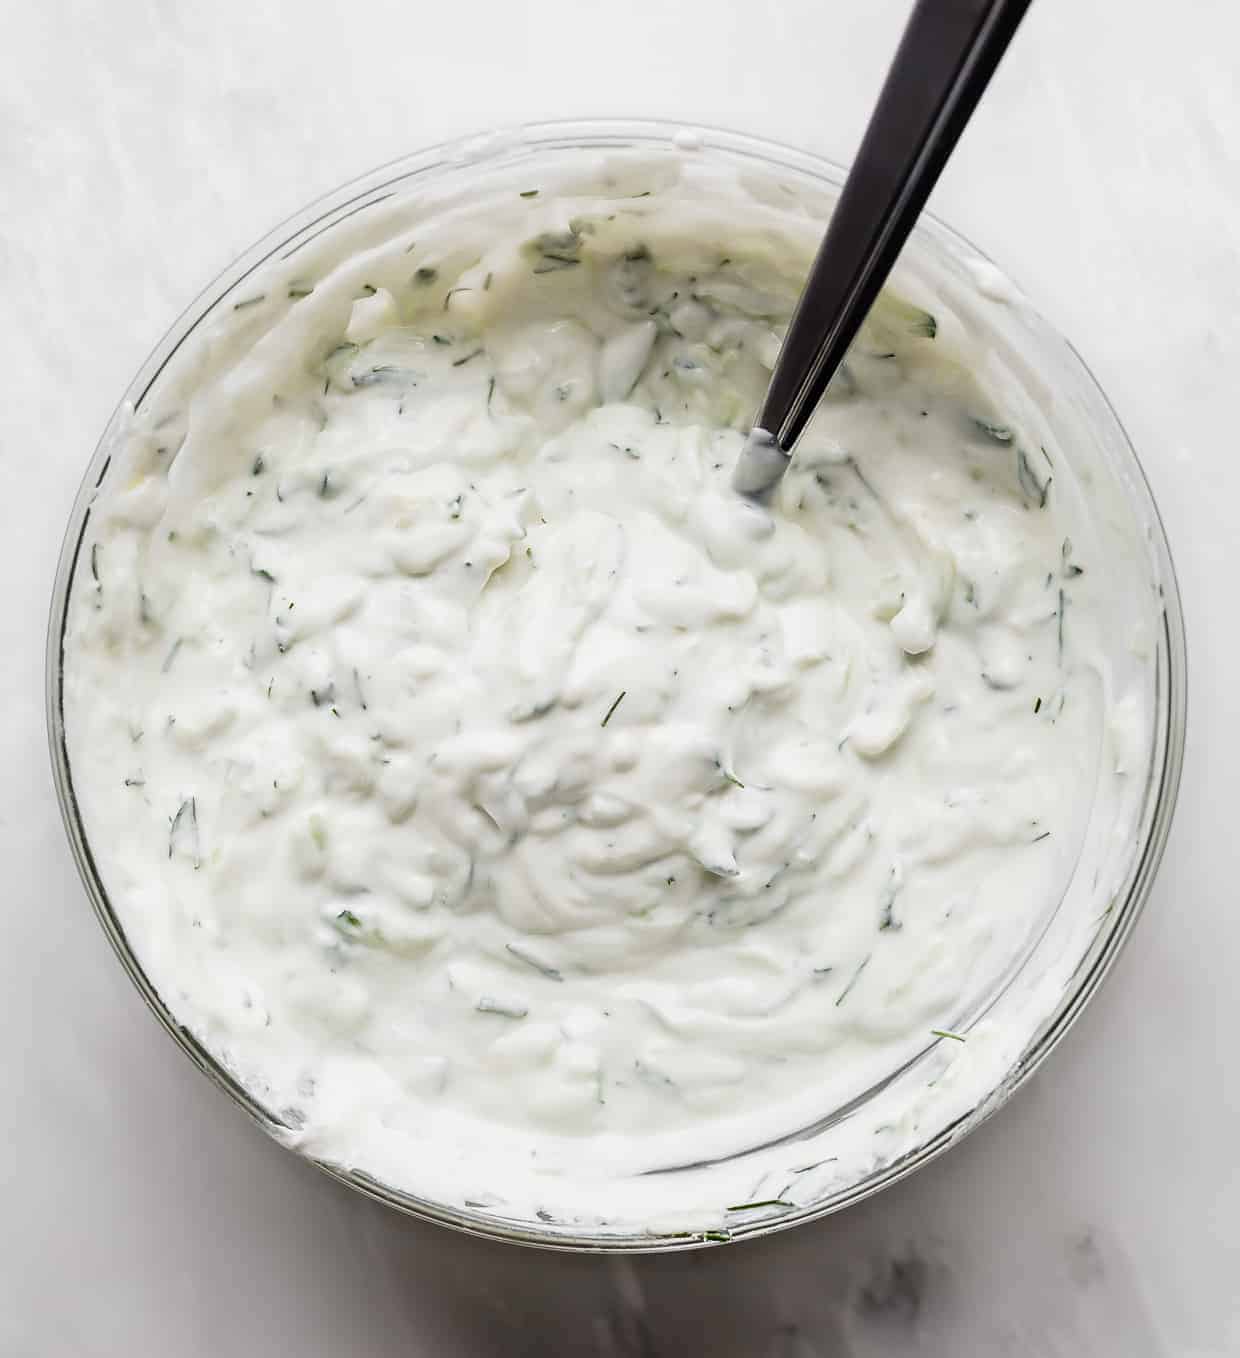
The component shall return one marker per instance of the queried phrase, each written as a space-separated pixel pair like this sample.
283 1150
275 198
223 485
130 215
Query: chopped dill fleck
349 918
299 290
529 193
1069 569
946 1032
856 976
887 919
257 468
551 973
817 1164
176 822
1035 491
94 563
726 775
719 1237
490 393
764 1202
1037 706
190 805
451 293
172 655
999 432
1037 839
249 301
486 282
441 339
460 362
925 327
614 705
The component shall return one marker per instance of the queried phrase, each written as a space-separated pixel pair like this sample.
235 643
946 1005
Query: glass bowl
1054 396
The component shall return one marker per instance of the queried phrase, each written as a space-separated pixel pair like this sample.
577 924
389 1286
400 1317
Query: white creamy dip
508 804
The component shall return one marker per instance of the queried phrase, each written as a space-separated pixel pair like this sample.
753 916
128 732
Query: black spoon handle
946 57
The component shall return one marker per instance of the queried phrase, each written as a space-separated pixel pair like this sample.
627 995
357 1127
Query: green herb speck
856 976
925 327
543 968
999 432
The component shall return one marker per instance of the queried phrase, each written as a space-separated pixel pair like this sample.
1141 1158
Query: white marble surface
143 143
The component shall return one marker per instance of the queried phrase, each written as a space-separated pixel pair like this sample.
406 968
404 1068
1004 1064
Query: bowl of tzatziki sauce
521 826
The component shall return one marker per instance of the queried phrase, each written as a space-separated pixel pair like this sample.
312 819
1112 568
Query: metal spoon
944 62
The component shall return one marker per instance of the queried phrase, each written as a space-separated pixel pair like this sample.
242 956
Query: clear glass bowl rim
618 133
